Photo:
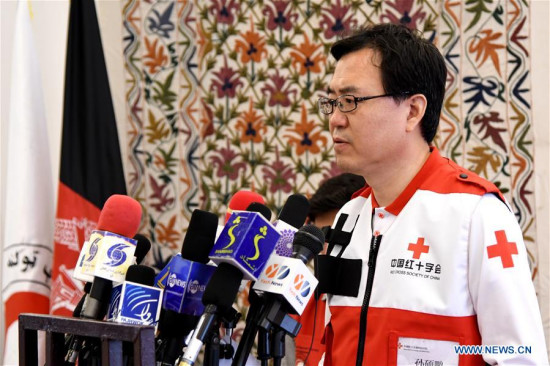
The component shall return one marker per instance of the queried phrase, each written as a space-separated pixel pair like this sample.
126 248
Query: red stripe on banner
76 218
25 302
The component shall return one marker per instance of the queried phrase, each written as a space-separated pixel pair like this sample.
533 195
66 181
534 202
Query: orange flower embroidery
308 140
306 58
251 125
252 47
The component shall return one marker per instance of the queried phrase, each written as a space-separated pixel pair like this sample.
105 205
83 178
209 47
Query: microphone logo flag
93 248
236 223
284 245
246 242
135 304
85 271
301 285
114 305
283 272
116 254
195 286
277 271
272 270
184 284
173 280
257 238
290 278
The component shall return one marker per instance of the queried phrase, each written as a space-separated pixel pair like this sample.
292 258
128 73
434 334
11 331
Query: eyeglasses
346 103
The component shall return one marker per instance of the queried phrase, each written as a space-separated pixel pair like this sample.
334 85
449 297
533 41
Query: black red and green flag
91 167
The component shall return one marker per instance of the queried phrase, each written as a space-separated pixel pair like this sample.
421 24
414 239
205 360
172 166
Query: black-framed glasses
346 102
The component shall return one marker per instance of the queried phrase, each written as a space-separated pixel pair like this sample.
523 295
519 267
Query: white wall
540 52
50 21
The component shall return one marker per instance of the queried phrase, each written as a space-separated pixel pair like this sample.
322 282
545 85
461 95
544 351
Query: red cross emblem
503 249
418 248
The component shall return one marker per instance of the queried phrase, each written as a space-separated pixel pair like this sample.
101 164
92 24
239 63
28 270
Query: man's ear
417 109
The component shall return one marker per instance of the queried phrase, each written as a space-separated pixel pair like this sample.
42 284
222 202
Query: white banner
29 218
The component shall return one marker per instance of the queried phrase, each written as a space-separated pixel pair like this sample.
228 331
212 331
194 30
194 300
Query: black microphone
118 220
291 218
174 326
261 209
135 301
224 285
308 242
142 248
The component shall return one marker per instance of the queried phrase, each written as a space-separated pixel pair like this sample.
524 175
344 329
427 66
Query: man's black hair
334 192
408 64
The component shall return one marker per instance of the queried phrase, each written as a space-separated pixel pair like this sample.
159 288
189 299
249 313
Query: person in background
331 195
443 262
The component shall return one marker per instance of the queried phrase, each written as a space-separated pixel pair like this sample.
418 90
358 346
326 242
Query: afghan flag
29 211
91 167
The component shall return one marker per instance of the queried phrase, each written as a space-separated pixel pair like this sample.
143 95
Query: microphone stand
212 342
229 321
274 319
249 334
212 348
278 346
264 346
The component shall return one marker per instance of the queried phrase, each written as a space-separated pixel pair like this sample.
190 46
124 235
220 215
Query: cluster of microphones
191 299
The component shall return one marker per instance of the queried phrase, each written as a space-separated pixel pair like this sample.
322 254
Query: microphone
288 280
184 279
136 301
292 217
285 285
112 255
241 200
111 251
142 248
242 250
186 274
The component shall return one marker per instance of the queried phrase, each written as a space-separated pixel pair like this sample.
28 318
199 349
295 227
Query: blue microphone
184 279
136 301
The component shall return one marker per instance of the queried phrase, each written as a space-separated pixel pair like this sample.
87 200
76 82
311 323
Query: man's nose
337 118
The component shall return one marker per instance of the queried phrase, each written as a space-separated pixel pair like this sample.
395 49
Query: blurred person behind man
325 203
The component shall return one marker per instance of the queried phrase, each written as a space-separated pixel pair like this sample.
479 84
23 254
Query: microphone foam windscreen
241 200
200 236
141 274
120 215
311 237
295 210
142 247
261 209
223 286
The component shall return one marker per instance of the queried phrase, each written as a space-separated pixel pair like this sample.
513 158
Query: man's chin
346 166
